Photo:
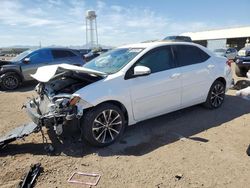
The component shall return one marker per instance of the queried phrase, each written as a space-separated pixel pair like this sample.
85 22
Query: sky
62 22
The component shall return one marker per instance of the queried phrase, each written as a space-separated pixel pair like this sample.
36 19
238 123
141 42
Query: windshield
21 55
114 60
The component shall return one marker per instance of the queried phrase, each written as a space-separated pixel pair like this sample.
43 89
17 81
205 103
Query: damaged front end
55 105
54 111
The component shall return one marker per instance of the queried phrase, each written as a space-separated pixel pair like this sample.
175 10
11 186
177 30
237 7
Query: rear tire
216 95
10 81
240 72
103 124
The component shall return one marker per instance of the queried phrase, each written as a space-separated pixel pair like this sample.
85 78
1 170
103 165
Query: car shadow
148 135
183 124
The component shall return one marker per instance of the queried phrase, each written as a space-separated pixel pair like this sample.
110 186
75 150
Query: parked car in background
177 39
83 51
93 54
127 85
229 53
242 62
18 69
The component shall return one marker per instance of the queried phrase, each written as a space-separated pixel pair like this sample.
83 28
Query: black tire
10 81
240 72
216 95
100 128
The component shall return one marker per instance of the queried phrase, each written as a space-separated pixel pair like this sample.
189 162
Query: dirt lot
205 148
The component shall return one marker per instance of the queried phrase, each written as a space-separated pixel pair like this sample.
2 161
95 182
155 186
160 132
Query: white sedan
127 85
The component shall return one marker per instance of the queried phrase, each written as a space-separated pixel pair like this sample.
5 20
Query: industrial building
222 38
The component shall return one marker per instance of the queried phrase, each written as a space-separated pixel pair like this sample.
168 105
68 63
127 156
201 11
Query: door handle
175 75
210 66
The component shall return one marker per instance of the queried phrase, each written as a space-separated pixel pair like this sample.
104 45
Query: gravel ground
194 147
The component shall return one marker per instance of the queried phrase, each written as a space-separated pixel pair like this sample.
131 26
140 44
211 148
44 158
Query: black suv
242 62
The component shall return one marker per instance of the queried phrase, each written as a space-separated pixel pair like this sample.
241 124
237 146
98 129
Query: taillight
229 63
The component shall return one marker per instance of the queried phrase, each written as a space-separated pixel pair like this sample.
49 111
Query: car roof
55 48
155 44
152 45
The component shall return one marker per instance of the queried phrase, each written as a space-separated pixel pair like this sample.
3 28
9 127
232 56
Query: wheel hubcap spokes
217 96
10 82
107 126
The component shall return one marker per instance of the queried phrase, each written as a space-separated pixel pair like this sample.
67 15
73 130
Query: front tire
103 125
216 95
10 81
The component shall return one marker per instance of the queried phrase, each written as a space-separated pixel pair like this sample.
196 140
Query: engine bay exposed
67 82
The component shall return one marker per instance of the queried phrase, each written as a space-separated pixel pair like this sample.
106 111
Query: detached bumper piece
30 177
18 133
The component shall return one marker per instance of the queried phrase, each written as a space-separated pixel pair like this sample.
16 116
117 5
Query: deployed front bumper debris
45 113
30 177
18 133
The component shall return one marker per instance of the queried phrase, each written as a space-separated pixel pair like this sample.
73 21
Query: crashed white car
127 85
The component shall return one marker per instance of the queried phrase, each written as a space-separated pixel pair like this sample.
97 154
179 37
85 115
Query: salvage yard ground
194 147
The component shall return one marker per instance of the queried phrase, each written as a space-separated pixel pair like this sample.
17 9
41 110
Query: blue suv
18 69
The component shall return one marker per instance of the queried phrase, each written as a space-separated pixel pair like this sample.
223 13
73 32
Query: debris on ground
248 150
91 179
244 93
30 177
18 133
178 176
241 84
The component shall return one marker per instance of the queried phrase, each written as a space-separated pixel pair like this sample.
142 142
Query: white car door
158 92
195 74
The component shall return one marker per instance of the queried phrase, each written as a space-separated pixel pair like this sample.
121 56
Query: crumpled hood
45 73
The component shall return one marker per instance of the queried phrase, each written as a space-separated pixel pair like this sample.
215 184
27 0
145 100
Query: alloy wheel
10 82
217 95
107 126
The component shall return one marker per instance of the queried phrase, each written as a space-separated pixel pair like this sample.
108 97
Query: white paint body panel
158 93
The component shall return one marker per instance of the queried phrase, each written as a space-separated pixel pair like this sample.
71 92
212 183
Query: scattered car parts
73 179
30 177
248 150
18 133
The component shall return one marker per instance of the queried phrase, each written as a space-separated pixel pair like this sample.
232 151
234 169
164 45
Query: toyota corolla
127 85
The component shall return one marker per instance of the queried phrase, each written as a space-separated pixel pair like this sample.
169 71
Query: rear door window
57 54
189 55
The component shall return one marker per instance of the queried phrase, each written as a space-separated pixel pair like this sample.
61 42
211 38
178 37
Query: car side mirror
141 71
26 60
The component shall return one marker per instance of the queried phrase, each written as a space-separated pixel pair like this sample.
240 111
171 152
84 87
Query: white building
222 38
